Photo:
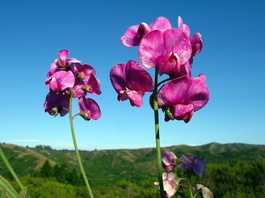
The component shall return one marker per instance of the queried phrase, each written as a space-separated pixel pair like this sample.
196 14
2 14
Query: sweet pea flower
182 96
60 80
168 50
196 163
89 108
61 63
168 160
206 193
131 81
56 104
170 183
133 35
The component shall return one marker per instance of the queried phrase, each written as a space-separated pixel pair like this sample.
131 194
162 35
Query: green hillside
123 167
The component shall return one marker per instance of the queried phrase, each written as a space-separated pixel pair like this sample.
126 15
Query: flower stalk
157 136
76 147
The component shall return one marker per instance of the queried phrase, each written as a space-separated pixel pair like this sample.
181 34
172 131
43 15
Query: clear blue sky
233 59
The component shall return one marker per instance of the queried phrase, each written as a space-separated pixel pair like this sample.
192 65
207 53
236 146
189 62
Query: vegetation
233 170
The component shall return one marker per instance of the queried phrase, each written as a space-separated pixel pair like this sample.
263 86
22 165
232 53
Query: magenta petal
139 79
183 112
130 37
89 108
196 43
151 48
183 27
118 77
161 23
62 57
198 94
60 80
173 92
176 41
136 99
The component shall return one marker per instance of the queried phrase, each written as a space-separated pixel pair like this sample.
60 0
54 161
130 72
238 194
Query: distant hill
108 166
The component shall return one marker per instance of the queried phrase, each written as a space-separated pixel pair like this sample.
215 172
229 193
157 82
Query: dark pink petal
89 108
138 78
161 23
151 48
118 77
93 85
82 71
183 112
173 92
196 43
136 99
56 104
60 80
169 63
130 37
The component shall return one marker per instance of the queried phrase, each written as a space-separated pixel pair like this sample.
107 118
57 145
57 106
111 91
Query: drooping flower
168 160
131 81
60 81
196 163
89 108
170 183
168 50
206 193
62 63
133 35
56 104
182 96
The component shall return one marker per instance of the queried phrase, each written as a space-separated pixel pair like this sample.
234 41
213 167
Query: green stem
76 148
157 136
11 169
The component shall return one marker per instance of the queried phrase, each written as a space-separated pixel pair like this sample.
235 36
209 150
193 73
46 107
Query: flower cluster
186 162
67 79
170 51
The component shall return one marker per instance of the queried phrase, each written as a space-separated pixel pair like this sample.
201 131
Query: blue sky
233 60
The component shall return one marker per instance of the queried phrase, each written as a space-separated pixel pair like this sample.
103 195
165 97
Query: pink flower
168 160
56 104
60 80
168 50
170 184
131 81
182 96
89 108
133 35
61 63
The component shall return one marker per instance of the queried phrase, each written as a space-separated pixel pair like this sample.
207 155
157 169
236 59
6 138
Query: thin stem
76 148
157 136
11 169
